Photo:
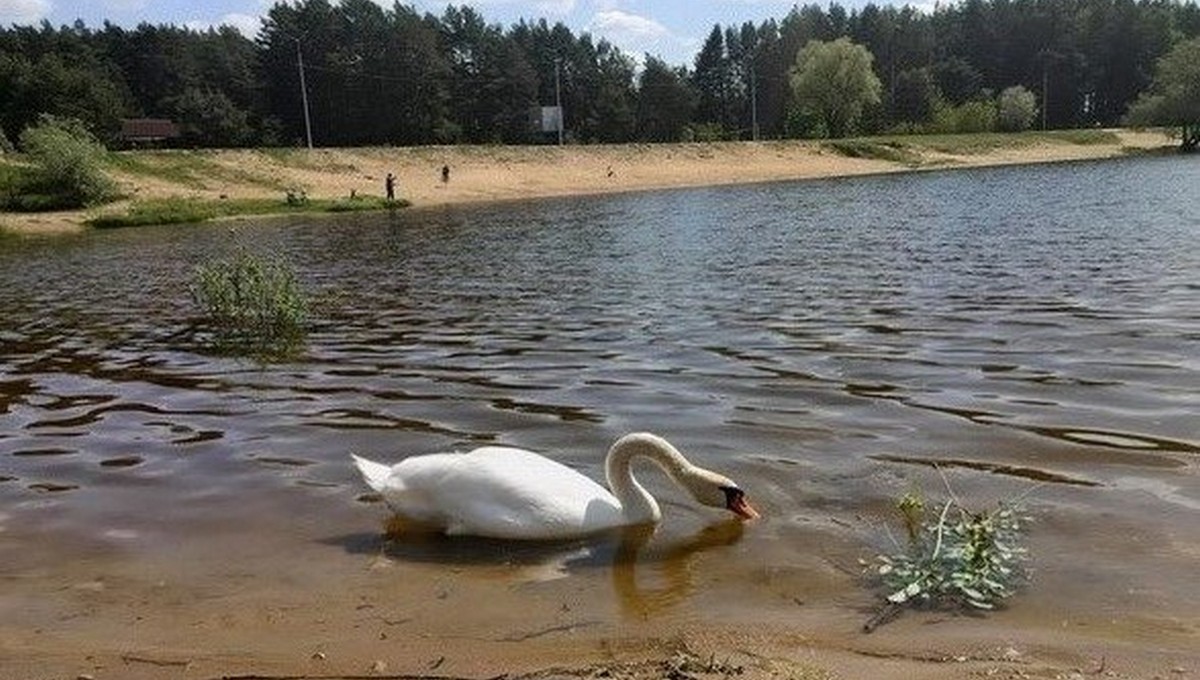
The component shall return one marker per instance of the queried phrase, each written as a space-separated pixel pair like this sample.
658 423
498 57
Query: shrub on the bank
1015 109
66 167
974 116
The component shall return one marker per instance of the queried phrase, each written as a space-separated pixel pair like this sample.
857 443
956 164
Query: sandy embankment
480 174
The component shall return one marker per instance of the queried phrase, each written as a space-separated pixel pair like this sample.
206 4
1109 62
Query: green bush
67 161
974 116
253 303
22 189
705 132
1015 109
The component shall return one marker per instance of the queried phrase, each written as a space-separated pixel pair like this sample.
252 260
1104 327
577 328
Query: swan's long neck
637 505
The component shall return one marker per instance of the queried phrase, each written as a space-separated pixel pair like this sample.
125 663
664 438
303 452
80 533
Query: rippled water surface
821 342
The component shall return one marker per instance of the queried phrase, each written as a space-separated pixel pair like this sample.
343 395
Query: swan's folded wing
510 493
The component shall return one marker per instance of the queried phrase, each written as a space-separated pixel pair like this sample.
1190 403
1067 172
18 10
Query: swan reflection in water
669 566
648 577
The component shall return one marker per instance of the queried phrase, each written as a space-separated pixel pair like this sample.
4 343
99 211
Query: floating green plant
956 558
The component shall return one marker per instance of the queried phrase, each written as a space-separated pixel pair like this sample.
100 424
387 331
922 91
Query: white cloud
637 35
23 11
246 24
560 7
126 5
614 24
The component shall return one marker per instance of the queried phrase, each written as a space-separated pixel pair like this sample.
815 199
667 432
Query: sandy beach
482 174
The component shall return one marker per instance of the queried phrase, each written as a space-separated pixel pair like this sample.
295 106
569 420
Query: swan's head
706 486
718 491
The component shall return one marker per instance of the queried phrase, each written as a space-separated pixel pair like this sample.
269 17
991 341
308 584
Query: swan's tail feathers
375 474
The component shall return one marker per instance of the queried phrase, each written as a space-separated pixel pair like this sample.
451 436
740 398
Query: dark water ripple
1037 323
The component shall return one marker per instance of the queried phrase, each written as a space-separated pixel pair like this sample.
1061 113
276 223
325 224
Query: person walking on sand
390 185
445 174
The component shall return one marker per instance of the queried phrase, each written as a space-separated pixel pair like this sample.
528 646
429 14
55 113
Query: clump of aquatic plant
253 302
954 557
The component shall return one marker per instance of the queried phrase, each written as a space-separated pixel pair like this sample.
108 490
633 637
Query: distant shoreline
479 174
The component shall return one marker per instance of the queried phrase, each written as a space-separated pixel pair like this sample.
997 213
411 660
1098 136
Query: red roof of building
148 129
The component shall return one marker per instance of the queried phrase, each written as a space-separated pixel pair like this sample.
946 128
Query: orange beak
742 509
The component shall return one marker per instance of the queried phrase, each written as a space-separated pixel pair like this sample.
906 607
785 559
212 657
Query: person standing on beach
445 174
389 184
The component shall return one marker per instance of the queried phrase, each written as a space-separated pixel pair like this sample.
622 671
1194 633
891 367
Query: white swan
502 492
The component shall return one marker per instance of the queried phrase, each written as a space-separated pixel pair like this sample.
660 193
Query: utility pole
304 94
1045 94
1047 57
753 105
558 96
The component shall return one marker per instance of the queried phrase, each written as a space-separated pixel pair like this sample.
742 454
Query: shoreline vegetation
166 187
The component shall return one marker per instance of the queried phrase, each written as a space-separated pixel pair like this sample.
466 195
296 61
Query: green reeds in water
956 558
254 304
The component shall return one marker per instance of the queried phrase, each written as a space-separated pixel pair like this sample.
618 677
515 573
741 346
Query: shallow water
820 342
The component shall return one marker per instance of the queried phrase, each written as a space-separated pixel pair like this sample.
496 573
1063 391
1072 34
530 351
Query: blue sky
672 29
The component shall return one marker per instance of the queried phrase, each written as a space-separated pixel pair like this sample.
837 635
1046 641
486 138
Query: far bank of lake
500 173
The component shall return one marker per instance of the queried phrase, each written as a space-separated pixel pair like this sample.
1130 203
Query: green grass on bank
23 190
179 210
907 149
189 169
875 149
984 142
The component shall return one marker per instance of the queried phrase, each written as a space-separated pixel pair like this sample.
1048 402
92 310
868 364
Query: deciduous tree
833 81
1174 96
1015 109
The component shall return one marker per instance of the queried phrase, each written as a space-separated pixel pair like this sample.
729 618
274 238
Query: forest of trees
394 76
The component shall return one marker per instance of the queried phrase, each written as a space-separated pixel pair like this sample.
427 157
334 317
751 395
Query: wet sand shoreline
184 614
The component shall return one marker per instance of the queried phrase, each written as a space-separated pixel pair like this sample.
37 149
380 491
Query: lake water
820 342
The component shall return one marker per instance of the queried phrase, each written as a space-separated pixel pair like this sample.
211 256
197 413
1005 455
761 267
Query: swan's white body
511 493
